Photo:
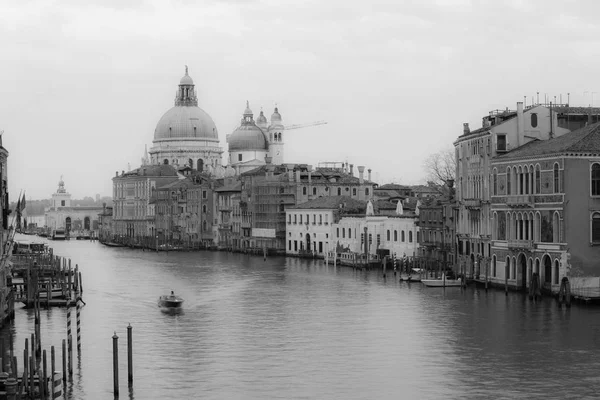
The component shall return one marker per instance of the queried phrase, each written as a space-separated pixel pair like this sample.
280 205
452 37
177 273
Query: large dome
247 137
186 122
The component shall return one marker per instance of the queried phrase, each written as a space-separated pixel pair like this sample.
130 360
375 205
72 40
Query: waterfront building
502 131
309 226
269 190
437 230
186 134
105 224
252 141
545 204
133 214
73 219
229 214
184 211
373 233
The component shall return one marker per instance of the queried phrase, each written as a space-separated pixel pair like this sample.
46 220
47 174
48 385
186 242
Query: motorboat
442 282
170 301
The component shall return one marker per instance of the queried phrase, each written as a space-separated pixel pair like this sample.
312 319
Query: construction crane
298 126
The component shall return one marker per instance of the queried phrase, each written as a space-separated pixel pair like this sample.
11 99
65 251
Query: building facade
502 131
133 213
62 215
229 214
184 212
546 213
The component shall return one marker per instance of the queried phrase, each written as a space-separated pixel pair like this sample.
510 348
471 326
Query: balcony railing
520 244
520 201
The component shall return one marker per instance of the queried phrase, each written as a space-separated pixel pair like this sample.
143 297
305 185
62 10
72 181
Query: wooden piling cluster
48 279
36 381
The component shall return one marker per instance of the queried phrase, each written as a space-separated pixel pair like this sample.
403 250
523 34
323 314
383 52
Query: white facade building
398 234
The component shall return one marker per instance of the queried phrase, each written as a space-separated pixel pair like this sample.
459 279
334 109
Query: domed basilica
186 134
252 142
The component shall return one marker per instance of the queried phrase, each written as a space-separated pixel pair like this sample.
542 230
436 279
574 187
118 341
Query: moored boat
443 282
170 301
413 276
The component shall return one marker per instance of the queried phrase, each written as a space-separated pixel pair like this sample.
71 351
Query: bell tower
276 138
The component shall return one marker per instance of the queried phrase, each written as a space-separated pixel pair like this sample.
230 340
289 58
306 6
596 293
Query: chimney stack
290 173
466 129
298 175
520 124
351 169
369 174
361 172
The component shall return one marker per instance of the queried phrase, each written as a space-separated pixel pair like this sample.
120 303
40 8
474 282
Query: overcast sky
83 85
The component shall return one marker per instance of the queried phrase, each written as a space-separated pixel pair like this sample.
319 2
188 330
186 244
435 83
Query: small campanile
276 138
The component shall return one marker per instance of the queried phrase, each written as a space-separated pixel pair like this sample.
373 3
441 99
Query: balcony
473 204
520 244
521 201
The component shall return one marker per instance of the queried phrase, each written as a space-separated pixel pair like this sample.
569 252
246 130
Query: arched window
556 179
353 191
388 235
596 227
508 172
304 190
494 266
403 238
204 208
339 191
200 164
166 162
366 191
495 182
395 235
343 233
538 179
595 179
409 236
534 120
555 272
314 191
204 226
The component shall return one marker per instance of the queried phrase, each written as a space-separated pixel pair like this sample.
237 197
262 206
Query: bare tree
440 166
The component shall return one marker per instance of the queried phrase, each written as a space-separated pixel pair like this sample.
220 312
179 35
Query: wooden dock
47 279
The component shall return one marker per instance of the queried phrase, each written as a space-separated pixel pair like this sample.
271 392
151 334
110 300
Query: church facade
62 215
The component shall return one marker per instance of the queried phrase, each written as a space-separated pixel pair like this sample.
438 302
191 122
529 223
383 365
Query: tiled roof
392 186
333 202
235 187
576 110
384 205
586 139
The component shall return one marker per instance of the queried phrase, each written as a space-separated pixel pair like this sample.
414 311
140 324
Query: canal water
287 328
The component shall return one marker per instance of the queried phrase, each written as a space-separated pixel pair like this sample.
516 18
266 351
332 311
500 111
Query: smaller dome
248 111
276 116
261 119
247 137
186 80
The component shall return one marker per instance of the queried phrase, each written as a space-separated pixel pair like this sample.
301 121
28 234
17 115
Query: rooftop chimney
466 129
351 169
298 175
369 174
361 172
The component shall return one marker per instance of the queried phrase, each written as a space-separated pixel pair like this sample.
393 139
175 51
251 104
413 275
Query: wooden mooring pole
115 364
129 355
